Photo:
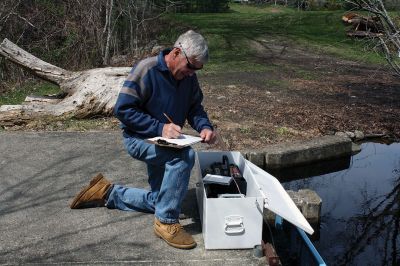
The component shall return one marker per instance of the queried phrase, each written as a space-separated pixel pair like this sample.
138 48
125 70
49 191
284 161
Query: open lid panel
277 199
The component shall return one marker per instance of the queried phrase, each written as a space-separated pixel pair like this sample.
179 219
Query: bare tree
108 28
389 42
79 34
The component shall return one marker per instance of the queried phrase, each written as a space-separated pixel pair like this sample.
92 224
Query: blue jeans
169 172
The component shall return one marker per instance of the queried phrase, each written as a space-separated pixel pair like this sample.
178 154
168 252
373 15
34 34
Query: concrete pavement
41 172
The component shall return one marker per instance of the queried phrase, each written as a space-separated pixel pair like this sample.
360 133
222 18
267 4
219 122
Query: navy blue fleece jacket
149 91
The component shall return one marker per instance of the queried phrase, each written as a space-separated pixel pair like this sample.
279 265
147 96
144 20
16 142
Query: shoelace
173 228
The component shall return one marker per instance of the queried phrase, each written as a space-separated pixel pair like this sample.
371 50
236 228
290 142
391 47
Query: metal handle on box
234 225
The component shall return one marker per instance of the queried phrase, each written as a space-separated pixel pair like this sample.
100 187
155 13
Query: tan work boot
92 195
174 235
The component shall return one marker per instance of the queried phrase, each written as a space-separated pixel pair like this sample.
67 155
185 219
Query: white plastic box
236 222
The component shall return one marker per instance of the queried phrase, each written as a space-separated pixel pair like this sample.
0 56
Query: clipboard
178 143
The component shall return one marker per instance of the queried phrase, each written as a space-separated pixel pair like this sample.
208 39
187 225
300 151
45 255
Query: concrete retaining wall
300 153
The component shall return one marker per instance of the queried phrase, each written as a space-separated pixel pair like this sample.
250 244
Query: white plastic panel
232 223
277 200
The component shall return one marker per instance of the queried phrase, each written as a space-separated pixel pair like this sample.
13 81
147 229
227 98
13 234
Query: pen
169 119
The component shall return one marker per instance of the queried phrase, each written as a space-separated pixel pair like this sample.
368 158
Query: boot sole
190 246
83 191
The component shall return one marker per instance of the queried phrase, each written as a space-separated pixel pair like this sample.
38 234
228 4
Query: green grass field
228 34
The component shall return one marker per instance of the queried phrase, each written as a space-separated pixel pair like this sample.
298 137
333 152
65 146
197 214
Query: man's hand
208 136
171 131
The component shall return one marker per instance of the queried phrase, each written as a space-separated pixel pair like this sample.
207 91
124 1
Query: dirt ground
303 95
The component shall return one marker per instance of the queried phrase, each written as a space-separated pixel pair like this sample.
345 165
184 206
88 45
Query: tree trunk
86 93
109 15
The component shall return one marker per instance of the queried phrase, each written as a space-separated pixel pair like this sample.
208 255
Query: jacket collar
161 64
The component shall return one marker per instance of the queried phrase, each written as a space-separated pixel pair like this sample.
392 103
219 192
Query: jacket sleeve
197 117
129 109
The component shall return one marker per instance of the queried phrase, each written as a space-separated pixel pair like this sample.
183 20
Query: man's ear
176 51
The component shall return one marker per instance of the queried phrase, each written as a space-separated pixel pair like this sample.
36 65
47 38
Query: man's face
185 66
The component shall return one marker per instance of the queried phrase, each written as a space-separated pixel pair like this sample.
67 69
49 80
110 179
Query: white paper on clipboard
182 141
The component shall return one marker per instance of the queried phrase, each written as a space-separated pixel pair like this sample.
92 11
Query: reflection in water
360 208
305 171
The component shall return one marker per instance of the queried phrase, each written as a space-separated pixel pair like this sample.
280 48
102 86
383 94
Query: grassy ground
229 34
18 93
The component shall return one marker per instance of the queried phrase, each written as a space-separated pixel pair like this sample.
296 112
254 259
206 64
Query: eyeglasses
188 64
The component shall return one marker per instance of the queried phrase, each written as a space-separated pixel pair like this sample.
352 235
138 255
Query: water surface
360 208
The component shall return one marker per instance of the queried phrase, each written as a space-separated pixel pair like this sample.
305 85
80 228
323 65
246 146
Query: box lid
276 199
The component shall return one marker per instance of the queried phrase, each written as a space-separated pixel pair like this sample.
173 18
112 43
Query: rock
350 134
359 135
330 132
341 134
310 205
355 148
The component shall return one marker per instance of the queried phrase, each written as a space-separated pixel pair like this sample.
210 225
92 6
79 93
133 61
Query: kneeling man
164 84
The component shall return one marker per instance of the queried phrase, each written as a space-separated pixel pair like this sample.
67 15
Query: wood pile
362 26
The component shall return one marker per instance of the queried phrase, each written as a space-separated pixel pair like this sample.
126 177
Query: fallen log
362 26
363 34
85 93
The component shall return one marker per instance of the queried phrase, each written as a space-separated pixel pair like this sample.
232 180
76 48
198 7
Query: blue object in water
301 246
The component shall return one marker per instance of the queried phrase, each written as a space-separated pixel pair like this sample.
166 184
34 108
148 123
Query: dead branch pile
389 42
362 26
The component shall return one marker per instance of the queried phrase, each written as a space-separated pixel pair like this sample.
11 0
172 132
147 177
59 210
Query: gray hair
194 45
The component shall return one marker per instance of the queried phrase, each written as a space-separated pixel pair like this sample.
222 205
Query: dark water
360 220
